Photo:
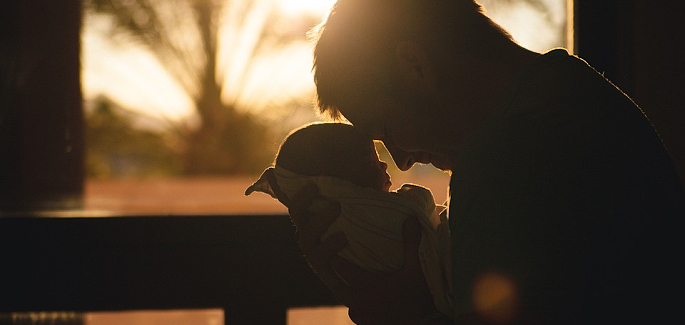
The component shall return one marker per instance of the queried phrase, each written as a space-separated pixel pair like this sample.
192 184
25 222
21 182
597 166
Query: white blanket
372 221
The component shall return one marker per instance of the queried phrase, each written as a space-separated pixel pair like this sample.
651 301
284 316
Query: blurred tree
200 43
116 147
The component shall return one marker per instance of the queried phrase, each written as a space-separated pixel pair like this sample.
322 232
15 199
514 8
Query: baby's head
334 149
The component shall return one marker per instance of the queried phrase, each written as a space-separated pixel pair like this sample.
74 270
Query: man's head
334 149
379 63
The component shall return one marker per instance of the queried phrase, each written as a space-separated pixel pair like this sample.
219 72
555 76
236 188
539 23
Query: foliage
200 43
115 147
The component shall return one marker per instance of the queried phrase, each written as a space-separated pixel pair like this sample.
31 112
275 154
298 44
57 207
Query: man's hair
319 149
357 40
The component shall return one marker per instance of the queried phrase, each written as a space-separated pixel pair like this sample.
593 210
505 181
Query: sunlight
528 25
135 79
239 36
263 67
278 75
130 75
332 315
290 7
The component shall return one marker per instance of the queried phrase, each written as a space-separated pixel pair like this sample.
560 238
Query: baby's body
346 168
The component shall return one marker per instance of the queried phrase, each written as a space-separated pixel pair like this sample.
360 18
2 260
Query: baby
345 166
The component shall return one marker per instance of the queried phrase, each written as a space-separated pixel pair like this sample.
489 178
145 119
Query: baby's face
366 170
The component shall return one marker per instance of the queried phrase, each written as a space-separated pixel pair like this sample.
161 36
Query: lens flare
495 297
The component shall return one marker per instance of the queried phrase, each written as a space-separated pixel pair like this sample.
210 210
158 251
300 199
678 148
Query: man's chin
441 163
438 161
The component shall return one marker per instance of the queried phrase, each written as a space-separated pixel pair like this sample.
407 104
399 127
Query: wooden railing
250 266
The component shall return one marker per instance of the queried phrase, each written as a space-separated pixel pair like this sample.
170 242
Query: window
162 139
141 317
141 118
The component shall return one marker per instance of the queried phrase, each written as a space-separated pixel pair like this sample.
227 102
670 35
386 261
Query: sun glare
132 77
305 6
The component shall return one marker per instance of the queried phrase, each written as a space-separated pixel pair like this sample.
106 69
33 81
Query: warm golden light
537 25
262 68
311 6
133 77
570 28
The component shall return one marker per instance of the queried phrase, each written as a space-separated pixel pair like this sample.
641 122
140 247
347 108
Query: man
561 191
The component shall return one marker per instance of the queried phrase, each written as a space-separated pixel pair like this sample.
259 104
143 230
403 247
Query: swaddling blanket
372 221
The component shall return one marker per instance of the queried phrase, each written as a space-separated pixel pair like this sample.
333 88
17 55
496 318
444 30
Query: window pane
335 315
177 124
156 317
539 25
137 317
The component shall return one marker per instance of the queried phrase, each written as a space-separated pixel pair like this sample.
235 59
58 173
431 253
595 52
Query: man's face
407 132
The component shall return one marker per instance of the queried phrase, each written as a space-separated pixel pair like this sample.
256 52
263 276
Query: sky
135 80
